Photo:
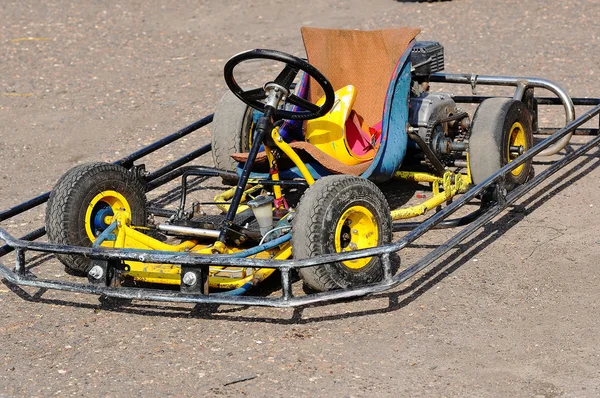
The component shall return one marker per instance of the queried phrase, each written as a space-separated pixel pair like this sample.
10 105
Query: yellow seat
328 133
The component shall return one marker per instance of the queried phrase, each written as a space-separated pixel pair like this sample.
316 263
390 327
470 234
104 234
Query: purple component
291 130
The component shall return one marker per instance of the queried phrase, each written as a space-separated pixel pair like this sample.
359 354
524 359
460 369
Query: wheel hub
356 229
517 139
101 209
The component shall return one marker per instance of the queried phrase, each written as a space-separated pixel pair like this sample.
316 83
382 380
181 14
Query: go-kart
306 153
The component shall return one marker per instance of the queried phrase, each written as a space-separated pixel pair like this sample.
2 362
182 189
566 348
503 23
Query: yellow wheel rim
516 137
99 213
356 229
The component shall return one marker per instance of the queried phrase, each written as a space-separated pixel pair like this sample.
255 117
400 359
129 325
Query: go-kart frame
492 192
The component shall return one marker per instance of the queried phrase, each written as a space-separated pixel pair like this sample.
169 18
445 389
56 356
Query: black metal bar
283 183
263 126
579 131
178 163
576 101
476 99
184 177
453 223
437 164
160 212
209 172
387 266
20 263
127 161
286 284
23 207
33 235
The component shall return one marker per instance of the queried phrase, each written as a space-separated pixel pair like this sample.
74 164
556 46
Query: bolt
348 221
355 231
353 246
517 150
345 236
190 279
96 272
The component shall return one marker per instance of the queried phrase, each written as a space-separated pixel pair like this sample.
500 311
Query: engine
437 125
427 113
436 121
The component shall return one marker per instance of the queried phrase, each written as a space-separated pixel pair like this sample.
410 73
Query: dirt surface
512 312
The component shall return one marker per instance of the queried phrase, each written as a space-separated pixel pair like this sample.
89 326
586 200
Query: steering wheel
284 80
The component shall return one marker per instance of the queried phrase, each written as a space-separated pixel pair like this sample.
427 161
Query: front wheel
338 214
82 203
231 132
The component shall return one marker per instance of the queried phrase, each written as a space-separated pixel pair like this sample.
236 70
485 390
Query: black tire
490 138
75 191
231 128
320 210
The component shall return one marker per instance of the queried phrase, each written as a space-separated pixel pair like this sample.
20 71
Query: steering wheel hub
275 94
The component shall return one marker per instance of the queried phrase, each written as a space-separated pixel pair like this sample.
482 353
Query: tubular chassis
492 191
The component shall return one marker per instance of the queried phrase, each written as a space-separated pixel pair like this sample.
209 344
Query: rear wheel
82 202
500 131
338 214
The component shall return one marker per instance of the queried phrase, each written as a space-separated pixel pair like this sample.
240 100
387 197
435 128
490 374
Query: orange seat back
364 59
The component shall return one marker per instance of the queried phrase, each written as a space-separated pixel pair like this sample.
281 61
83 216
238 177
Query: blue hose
254 250
265 246
237 292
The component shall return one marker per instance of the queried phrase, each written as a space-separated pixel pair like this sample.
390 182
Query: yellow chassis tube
451 183
227 195
290 153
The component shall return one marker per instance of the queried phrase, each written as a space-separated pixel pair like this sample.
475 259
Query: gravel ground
512 312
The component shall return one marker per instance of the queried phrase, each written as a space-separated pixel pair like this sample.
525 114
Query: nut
189 278
96 272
